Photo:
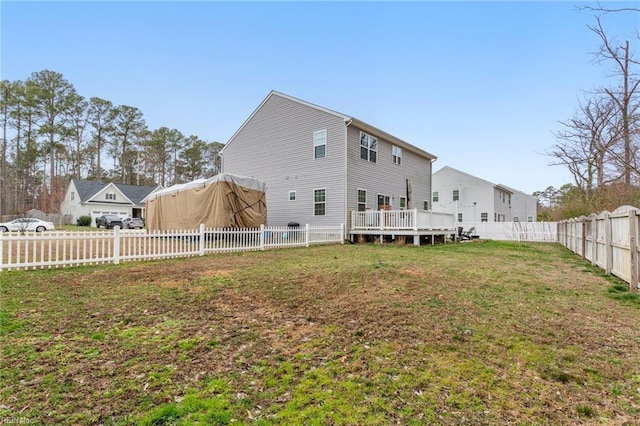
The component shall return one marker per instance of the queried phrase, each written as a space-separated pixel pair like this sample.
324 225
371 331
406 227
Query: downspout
347 123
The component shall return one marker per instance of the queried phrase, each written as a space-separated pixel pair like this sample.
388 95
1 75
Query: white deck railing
413 219
30 250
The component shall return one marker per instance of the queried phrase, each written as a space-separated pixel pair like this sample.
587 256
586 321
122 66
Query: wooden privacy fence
609 240
54 249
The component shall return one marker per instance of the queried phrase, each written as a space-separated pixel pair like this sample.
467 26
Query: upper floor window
368 147
362 200
319 202
529 218
435 197
73 195
403 203
292 195
110 196
396 152
425 205
456 194
320 144
484 217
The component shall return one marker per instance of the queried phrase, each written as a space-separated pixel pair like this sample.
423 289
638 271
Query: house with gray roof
319 165
93 198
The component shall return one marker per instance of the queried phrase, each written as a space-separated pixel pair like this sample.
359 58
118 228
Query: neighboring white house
475 200
319 164
92 198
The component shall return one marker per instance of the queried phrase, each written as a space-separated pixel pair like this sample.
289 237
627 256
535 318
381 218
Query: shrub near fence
55 249
609 240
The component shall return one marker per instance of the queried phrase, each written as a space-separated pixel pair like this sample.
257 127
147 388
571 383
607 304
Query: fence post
342 236
116 245
594 242
262 236
201 240
633 251
583 232
1 251
306 235
608 248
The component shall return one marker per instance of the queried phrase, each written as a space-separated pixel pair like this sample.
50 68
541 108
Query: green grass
478 333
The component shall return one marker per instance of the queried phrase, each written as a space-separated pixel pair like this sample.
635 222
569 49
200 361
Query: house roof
89 188
348 121
495 185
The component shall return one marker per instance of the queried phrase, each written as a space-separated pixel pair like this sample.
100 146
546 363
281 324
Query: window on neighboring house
456 194
319 202
495 217
292 195
368 147
396 152
516 219
403 203
459 217
383 201
529 218
73 195
362 200
110 196
320 144
484 217
425 205
436 196
509 199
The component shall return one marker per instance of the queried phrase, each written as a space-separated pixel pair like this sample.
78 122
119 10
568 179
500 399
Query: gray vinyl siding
276 146
384 176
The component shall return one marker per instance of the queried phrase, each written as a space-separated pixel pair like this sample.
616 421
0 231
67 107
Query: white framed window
292 195
425 205
384 201
362 200
459 217
529 218
320 144
484 217
403 203
319 202
516 219
368 147
396 153
436 196
456 195
110 196
73 195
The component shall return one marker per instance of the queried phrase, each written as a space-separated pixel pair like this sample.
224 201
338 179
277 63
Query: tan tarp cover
223 201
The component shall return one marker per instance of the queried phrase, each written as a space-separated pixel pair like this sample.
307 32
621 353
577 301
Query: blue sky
482 85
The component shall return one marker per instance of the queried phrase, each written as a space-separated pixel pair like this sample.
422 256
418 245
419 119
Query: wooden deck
387 225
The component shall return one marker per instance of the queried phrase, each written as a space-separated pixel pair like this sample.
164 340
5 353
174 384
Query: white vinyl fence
539 232
609 240
30 250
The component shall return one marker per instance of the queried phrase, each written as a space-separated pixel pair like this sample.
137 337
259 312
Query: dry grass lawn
477 333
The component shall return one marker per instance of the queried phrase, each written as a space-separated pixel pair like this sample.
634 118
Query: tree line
600 143
51 134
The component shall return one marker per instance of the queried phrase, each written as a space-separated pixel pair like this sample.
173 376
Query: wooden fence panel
608 240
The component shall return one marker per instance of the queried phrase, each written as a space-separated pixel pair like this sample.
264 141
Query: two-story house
475 200
319 164
92 198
